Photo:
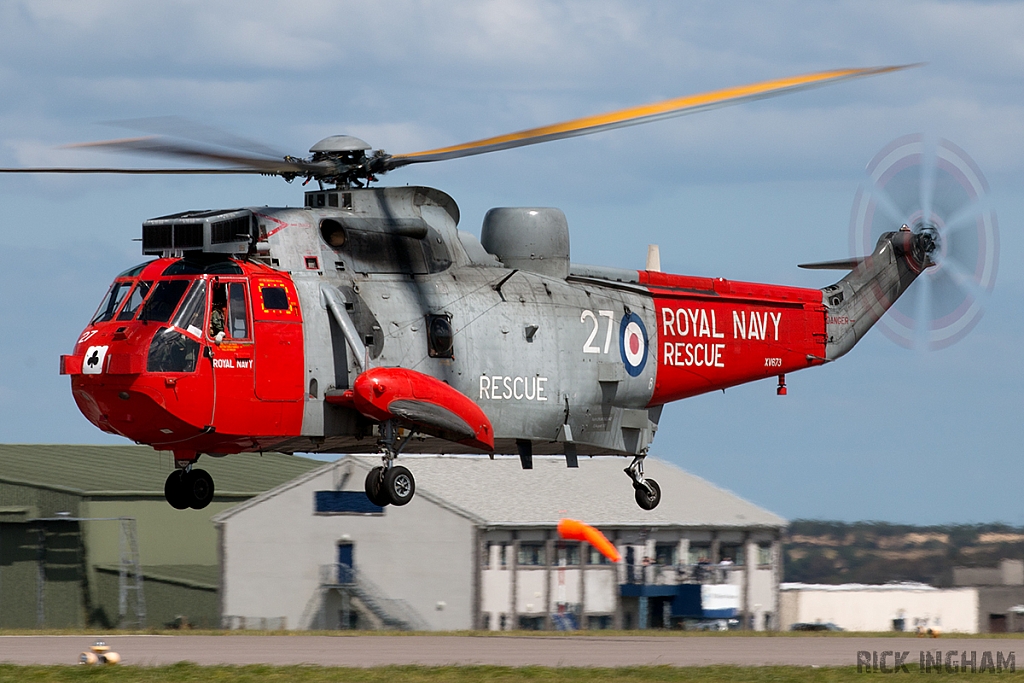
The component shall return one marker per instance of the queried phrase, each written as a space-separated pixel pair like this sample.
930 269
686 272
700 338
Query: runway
611 651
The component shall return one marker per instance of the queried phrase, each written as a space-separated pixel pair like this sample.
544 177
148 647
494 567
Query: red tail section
715 333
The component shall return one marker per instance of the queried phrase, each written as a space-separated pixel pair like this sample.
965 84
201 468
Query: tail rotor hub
927 243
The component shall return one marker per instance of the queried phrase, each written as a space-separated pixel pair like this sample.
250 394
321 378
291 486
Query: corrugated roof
194 575
870 587
139 469
500 492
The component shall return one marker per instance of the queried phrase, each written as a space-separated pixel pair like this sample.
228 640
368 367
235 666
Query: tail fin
858 301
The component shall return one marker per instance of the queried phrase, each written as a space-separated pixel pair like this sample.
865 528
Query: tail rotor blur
933 187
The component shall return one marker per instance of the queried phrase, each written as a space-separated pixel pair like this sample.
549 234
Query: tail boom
858 301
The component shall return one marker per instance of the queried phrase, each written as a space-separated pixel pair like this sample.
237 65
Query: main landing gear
647 491
188 487
390 484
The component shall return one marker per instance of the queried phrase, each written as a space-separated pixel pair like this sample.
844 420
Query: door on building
345 562
997 623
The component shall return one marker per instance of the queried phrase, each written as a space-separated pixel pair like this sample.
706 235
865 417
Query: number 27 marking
588 346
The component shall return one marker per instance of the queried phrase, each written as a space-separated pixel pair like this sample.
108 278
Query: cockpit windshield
135 300
165 298
115 295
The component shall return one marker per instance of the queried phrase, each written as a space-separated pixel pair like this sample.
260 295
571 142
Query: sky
887 433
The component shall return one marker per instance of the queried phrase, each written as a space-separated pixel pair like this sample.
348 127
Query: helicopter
365 321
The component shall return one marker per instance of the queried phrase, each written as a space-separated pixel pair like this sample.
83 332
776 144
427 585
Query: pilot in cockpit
217 327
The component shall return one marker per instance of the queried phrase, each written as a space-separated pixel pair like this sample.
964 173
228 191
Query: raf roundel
633 343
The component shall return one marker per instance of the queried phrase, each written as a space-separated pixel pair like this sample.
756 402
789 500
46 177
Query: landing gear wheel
398 486
199 488
174 491
646 499
375 487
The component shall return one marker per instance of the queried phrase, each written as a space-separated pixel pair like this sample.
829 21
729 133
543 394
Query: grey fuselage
519 335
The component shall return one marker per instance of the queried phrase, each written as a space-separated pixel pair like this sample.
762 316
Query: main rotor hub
340 143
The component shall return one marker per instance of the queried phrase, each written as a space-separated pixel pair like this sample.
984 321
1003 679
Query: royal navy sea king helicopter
366 321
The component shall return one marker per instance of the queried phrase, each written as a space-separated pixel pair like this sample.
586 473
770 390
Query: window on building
595 557
344 502
699 554
531 623
493 550
733 554
764 554
567 555
665 554
532 555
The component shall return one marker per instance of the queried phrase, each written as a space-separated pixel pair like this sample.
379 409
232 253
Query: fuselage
208 353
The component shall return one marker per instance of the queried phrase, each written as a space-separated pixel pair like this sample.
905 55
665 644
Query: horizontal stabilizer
841 264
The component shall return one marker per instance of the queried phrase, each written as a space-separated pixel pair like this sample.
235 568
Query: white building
477 548
886 607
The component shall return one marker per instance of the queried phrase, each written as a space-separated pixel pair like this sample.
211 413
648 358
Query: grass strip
649 633
189 673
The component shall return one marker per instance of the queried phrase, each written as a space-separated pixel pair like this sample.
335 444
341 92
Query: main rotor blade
637 115
186 129
158 146
138 171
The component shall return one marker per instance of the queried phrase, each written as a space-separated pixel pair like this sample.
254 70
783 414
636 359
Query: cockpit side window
236 308
228 311
192 313
161 304
135 300
115 295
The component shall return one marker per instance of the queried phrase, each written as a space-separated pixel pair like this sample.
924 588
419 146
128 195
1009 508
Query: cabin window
440 337
274 298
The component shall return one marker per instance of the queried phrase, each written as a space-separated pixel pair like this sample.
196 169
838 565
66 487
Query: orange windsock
573 530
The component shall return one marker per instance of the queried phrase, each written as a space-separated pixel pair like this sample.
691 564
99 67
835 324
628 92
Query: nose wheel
390 484
189 488
646 491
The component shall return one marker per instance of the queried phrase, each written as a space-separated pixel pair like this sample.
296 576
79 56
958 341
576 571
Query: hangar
478 548
72 518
